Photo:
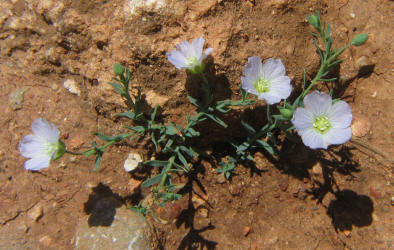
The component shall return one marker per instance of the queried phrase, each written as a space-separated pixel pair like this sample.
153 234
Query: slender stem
73 153
268 114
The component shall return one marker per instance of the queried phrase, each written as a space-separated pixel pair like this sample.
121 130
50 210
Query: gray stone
127 231
16 98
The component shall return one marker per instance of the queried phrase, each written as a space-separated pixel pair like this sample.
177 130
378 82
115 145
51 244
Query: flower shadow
101 206
350 208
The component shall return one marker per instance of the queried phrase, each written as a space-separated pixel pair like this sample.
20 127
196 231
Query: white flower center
262 86
321 124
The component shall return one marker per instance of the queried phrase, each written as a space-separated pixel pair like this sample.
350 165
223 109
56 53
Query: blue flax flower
42 146
321 122
267 81
189 55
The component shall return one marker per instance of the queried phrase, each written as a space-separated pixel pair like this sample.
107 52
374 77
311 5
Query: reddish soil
340 199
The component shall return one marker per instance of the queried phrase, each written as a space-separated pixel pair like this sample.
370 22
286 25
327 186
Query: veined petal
281 87
197 45
270 97
302 119
177 59
338 135
273 68
313 139
247 85
31 145
340 115
41 128
252 70
185 48
318 103
206 53
37 163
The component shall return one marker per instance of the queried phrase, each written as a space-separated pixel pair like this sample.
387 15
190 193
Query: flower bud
360 39
314 21
118 69
286 113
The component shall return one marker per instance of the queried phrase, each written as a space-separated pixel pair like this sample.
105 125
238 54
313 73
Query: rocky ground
56 59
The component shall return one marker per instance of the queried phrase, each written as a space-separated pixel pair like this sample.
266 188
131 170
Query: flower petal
38 163
247 85
272 69
302 119
337 135
252 70
177 59
313 139
269 97
185 48
340 115
206 53
281 87
318 103
197 45
31 146
47 131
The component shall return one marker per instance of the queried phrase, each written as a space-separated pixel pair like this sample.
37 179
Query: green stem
73 153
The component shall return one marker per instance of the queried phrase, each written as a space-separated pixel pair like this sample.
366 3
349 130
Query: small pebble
36 212
72 87
352 15
392 200
246 231
45 240
360 126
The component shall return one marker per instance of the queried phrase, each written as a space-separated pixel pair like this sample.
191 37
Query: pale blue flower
189 55
321 122
42 146
267 81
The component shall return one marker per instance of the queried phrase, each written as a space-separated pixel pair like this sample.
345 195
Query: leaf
153 115
156 163
248 128
266 146
129 114
359 39
194 101
171 129
138 129
98 162
118 88
216 119
111 138
152 181
182 159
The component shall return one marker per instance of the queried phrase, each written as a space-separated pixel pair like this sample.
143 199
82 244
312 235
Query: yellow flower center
322 124
191 61
262 85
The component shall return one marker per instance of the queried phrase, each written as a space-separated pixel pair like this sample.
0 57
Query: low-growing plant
319 119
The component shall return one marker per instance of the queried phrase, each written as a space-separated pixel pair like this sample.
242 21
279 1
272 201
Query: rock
203 212
132 162
246 231
36 212
197 201
133 6
317 169
375 193
362 62
284 184
347 233
52 56
45 241
360 126
392 200
155 99
220 178
75 142
16 98
72 87
134 185
127 231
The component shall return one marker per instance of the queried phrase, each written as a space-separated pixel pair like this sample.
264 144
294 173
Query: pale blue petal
177 59
273 68
197 45
313 139
41 128
206 53
31 146
37 163
318 103
252 70
338 135
270 98
247 85
340 115
302 119
281 87
186 49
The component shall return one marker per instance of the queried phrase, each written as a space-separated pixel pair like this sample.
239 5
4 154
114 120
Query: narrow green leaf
156 163
266 146
118 88
359 39
171 129
248 128
152 181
